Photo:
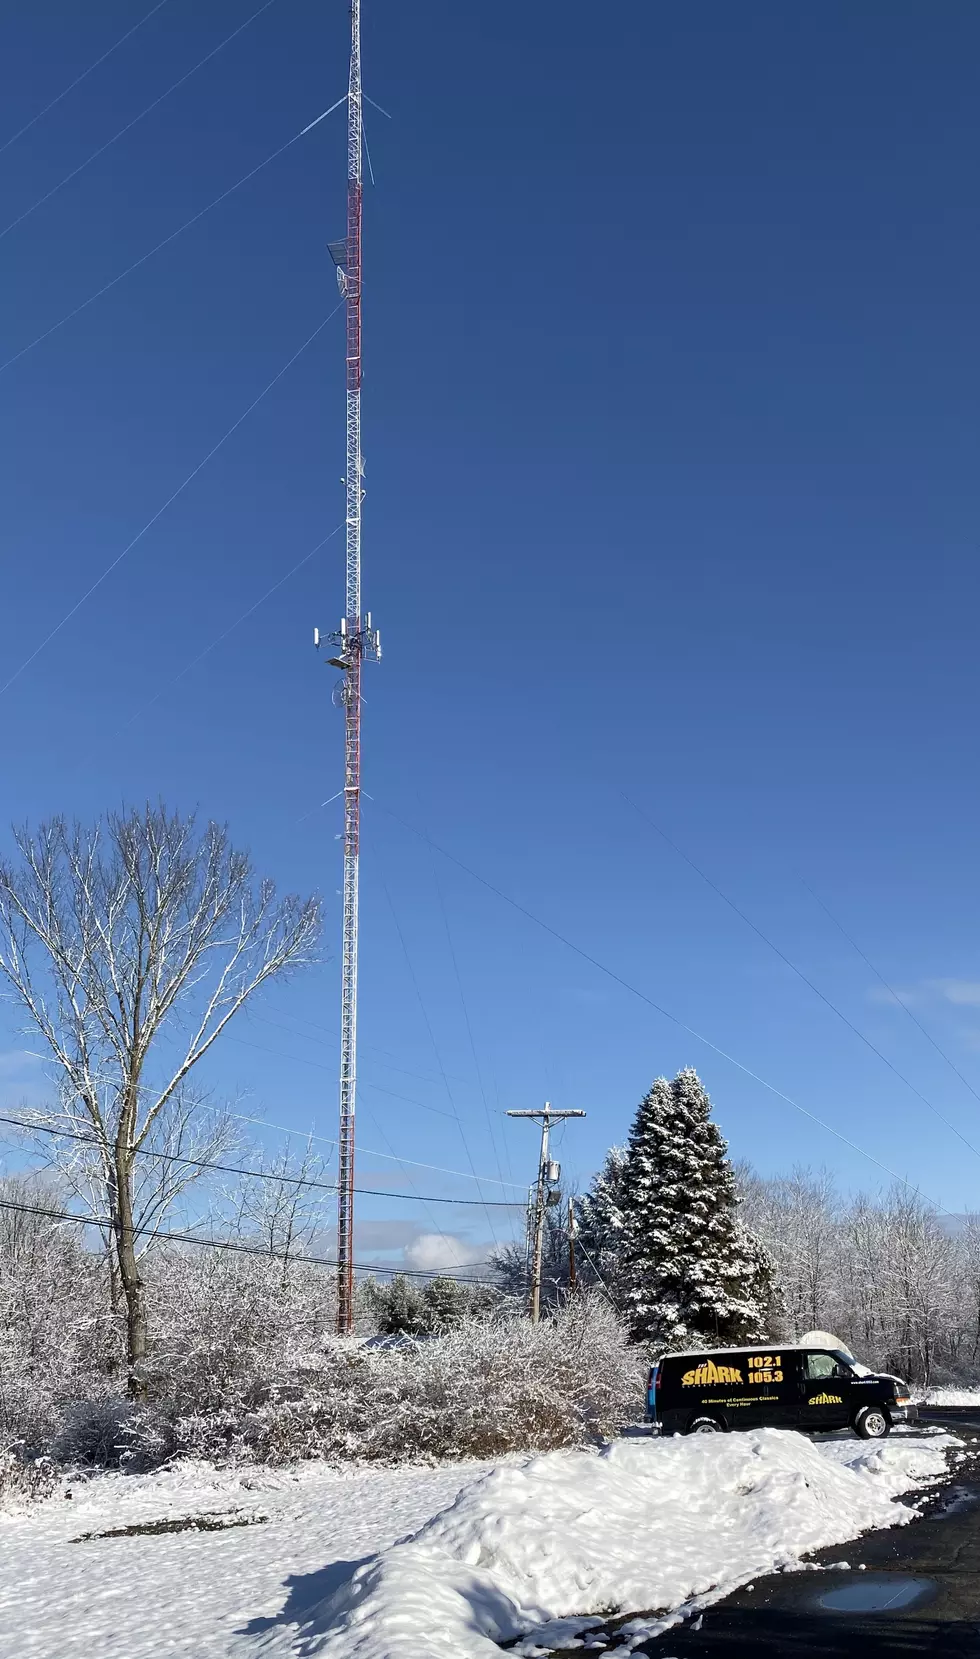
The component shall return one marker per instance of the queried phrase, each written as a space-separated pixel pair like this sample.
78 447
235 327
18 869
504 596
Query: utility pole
548 1175
357 641
572 1230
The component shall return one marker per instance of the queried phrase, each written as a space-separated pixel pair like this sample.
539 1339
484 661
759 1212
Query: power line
807 981
320 1066
134 122
254 1174
231 629
434 1219
67 318
656 1006
104 1223
371 1152
79 78
168 503
892 991
330 1039
432 1036
466 1012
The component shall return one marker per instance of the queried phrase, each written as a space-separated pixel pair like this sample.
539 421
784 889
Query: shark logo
708 1372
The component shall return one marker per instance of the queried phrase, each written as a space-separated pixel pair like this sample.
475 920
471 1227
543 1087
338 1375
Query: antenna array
358 642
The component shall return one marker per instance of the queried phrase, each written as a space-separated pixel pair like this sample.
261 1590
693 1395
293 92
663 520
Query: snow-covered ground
198 1595
487 1550
952 1396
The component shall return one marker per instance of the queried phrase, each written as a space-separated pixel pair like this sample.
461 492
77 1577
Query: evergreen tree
599 1214
689 1274
398 1306
402 1308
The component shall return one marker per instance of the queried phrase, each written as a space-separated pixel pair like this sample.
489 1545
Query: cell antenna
357 642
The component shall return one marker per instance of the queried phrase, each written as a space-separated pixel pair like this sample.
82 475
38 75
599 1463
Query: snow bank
951 1397
199 1595
641 1525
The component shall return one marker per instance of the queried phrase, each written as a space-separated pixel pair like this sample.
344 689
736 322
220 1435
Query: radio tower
358 642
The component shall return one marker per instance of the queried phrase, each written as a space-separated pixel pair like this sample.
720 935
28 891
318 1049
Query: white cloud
438 1252
385 1235
894 999
964 993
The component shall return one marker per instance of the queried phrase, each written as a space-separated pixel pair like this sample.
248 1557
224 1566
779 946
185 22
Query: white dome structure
823 1339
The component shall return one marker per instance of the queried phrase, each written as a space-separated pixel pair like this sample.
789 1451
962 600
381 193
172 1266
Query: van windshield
848 1359
819 1366
856 1366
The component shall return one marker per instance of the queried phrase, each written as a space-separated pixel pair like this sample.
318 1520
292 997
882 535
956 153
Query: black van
796 1388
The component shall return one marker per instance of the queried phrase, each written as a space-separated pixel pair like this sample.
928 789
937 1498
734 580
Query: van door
825 1391
772 1398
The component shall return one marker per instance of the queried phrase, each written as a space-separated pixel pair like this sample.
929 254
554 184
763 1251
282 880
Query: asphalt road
920 1587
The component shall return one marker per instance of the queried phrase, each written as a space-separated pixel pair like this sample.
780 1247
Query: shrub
245 1367
487 1387
25 1480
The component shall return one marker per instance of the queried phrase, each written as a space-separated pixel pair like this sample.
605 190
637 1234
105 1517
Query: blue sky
670 421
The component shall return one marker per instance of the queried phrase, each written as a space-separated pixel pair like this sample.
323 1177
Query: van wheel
871 1423
705 1425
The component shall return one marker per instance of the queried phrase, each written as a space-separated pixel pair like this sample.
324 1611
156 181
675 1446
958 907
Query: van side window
818 1367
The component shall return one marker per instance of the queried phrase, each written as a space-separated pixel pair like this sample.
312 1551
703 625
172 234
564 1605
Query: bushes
24 1482
58 1341
488 1386
112 1433
245 1366
493 1386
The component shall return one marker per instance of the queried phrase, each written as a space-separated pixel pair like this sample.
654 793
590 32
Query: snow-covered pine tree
689 1274
599 1214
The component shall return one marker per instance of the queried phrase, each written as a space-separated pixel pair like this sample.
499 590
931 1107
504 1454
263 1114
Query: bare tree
185 1139
283 1208
131 944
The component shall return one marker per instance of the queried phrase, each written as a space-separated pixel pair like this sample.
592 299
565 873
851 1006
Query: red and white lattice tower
359 642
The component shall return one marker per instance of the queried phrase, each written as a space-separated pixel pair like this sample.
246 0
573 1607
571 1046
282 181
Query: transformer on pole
543 1194
358 642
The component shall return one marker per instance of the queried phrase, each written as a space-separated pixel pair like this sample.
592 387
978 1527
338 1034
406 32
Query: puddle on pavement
960 1498
873 1594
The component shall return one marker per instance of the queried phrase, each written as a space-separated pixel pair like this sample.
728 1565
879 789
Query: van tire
705 1425
872 1423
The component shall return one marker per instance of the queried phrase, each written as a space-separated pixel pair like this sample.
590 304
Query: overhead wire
220 638
466 1012
658 1008
193 220
321 1066
444 1236
134 122
892 992
330 1041
807 981
234 1245
446 1239
432 1037
367 154
168 503
372 1152
251 1174
83 76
